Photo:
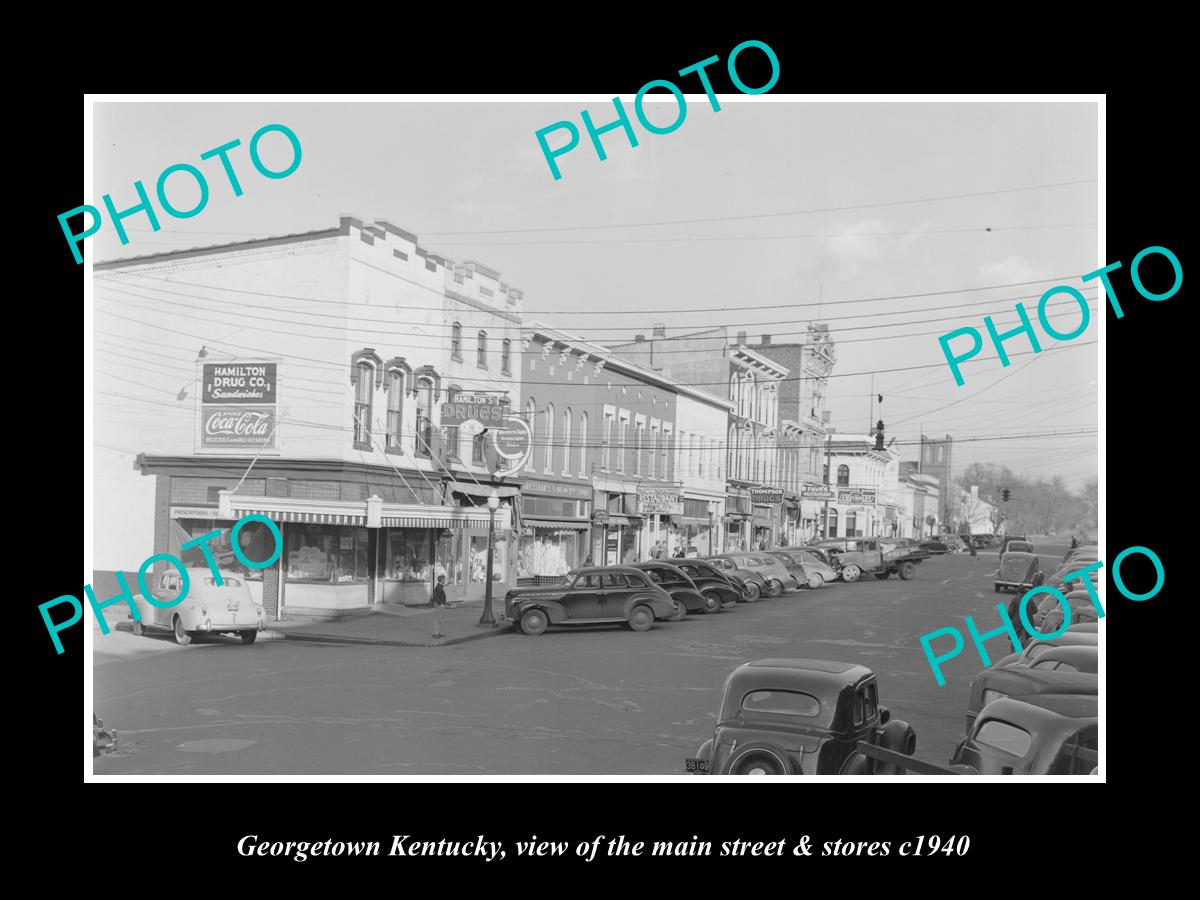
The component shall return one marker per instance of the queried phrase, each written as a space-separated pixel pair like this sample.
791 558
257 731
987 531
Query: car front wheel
815 581
908 570
248 637
534 622
679 613
774 587
712 602
850 574
641 618
751 592
182 638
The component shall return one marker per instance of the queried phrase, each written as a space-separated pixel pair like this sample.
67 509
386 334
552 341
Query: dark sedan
591 596
686 594
712 581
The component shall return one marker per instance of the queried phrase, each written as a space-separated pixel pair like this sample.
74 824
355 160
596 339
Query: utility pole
828 473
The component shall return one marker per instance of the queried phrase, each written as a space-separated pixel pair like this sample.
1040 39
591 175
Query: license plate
696 765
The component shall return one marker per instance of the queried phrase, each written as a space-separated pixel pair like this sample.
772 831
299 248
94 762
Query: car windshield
784 703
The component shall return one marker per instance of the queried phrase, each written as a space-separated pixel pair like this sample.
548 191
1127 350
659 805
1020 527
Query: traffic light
1005 494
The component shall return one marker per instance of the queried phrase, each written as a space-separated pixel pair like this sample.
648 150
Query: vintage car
591 596
752 583
775 578
1047 734
1024 681
206 607
687 596
1091 551
712 581
1077 658
954 542
800 717
854 557
1079 635
809 572
1010 539
1082 612
1019 571
934 547
1059 579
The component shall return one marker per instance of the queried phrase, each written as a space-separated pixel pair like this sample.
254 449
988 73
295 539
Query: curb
373 642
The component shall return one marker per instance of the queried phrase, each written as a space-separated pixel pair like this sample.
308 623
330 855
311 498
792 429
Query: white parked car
206 608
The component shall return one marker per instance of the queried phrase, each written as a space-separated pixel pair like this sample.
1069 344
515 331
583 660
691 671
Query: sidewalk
397 626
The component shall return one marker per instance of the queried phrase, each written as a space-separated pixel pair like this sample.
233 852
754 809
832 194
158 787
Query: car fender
660 606
693 600
705 751
554 611
899 737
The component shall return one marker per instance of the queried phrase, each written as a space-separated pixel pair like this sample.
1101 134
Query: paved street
572 701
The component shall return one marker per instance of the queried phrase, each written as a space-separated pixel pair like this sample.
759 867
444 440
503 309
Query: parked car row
1035 712
660 590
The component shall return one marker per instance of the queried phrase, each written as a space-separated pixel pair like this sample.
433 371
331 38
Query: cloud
1007 271
843 256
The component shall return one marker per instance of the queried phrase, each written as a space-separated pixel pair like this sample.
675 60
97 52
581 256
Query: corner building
322 364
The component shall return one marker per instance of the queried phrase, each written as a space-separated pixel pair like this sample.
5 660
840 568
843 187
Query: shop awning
762 522
417 521
484 490
318 518
567 525
614 519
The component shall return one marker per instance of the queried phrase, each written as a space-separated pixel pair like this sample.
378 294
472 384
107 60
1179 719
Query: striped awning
571 525
316 518
417 521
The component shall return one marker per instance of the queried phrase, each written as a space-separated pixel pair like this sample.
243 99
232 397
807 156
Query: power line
772 215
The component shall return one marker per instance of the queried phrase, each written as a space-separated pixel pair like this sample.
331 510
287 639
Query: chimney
741 337
639 338
660 330
766 340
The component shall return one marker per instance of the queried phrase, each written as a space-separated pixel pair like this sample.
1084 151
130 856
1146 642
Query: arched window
621 449
395 408
652 454
730 453
583 442
506 357
608 438
548 438
566 448
364 391
530 418
843 475
750 393
481 351
423 439
734 385
456 341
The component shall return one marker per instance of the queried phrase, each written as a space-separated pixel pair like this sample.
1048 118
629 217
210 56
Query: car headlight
989 695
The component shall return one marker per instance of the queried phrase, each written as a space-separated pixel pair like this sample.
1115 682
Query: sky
780 213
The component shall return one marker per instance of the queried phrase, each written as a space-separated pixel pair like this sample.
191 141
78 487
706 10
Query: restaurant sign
766 496
856 496
816 492
238 407
663 501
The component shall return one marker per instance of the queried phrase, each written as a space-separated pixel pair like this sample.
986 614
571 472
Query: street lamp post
493 502
712 527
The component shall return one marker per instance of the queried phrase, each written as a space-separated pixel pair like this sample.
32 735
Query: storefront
619 530
345 555
555 530
190 522
698 528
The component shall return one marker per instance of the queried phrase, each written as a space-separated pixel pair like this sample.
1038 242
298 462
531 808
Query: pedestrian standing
439 592
974 555
1074 543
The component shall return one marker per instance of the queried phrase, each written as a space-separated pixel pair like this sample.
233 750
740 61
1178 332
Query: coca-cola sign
234 426
238 407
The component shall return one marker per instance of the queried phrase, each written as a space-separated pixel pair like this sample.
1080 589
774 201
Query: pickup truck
854 557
